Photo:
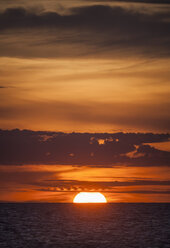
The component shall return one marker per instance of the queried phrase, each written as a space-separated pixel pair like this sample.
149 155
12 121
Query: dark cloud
133 1
112 191
101 29
6 87
104 186
97 17
98 149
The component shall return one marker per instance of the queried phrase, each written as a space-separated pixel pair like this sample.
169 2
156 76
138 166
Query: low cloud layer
103 150
61 185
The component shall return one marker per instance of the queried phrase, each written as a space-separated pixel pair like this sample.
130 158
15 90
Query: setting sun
89 197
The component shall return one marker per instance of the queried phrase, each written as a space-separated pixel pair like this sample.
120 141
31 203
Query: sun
89 197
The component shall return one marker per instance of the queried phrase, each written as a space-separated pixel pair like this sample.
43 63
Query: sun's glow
89 197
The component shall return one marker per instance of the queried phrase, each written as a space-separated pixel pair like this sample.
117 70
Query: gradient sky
99 69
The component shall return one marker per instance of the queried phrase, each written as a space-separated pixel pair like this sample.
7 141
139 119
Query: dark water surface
84 225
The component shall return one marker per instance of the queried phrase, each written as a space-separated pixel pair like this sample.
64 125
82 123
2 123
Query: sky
85 99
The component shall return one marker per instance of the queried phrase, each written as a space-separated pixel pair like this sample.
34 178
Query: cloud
107 184
133 1
134 186
97 17
6 87
101 30
38 147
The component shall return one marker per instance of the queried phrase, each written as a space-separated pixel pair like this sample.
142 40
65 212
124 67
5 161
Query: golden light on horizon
89 197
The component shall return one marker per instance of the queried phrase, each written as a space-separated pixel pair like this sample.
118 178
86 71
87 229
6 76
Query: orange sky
85 95
85 66
57 183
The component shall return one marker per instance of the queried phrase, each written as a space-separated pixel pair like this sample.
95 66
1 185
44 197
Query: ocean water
117 225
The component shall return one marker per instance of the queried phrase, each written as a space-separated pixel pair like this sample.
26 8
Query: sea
112 225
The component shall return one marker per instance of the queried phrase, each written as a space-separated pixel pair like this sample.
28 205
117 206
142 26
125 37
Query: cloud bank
96 149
